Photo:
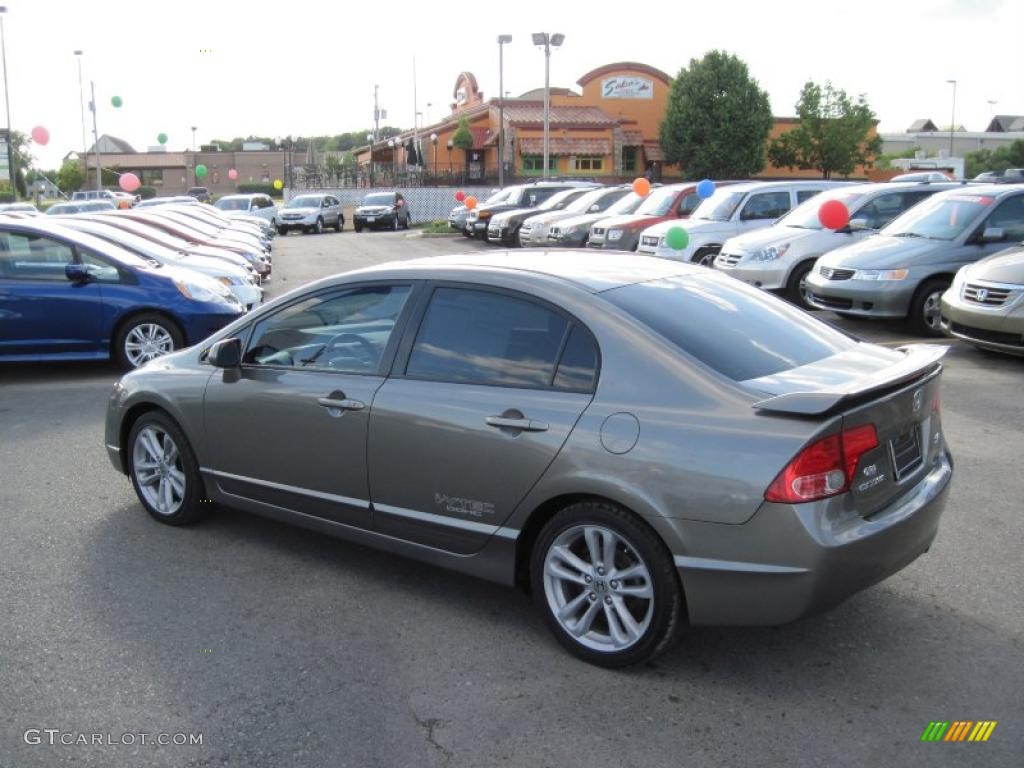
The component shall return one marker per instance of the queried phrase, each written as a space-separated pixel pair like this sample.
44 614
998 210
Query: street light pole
546 41
502 39
952 119
7 106
95 137
81 103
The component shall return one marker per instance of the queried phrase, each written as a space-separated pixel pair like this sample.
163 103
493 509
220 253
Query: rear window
731 327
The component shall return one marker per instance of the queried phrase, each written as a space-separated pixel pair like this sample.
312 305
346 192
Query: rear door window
728 325
482 337
766 205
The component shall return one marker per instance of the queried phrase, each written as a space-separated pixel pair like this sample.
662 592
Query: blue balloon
705 189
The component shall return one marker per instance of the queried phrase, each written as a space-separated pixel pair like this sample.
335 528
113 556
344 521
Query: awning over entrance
566 146
653 152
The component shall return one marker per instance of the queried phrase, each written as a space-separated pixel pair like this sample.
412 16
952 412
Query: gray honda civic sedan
638 442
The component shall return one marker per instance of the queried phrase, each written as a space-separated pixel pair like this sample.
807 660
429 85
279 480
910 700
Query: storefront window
592 163
535 164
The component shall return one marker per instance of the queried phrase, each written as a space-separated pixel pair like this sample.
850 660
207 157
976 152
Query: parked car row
128 284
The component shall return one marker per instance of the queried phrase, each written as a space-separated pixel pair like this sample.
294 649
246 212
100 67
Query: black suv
382 210
202 194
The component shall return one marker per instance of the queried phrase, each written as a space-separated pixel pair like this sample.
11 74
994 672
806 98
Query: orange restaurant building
609 130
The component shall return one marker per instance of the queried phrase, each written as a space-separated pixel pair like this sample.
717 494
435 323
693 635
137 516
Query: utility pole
376 132
502 39
81 103
7 105
95 137
415 113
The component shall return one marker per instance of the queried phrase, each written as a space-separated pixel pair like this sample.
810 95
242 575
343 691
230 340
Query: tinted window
478 337
885 208
577 369
30 257
341 332
767 205
803 195
729 326
1009 216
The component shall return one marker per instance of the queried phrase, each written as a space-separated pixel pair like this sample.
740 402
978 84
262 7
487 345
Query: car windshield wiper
909 234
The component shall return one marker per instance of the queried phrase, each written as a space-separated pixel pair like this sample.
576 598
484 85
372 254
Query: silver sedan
638 442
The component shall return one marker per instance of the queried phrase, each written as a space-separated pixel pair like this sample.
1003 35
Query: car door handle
525 425
344 404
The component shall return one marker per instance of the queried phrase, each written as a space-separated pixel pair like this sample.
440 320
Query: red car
622 233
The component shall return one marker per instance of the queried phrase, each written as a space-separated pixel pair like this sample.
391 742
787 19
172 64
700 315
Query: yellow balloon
278 184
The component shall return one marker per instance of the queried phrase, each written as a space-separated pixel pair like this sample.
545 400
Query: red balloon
129 182
460 196
833 214
232 174
40 135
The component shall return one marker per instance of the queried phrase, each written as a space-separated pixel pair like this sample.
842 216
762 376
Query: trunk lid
896 391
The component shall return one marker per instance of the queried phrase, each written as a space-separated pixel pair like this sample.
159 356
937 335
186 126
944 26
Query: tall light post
952 119
502 39
195 176
547 42
81 103
7 107
433 140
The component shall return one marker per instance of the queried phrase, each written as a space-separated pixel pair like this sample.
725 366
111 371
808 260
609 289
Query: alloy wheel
147 341
598 588
158 470
931 311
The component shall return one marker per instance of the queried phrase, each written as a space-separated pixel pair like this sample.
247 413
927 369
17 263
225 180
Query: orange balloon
470 202
642 186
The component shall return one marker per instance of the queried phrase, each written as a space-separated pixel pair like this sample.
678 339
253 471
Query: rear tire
604 620
394 225
282 230
796 287
925 307
358 228
339 225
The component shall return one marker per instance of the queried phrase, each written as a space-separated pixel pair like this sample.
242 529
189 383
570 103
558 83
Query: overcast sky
308 67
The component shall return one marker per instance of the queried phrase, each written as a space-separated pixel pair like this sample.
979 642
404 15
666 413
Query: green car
985 304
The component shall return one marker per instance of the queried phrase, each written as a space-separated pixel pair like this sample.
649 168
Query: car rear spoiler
919 361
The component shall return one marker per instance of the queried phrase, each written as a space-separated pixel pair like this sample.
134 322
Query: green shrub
146 192
259 189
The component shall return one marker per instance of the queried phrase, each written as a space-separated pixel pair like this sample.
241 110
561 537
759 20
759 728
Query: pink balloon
129 182
40 135
232 174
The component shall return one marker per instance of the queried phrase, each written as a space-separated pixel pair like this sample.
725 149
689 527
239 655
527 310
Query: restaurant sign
627 88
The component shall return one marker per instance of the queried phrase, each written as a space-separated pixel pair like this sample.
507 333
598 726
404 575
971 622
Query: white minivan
730 211
779 257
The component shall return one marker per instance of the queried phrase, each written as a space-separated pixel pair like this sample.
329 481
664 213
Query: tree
998 159
717 119
70 177
463 137
22 160
832 134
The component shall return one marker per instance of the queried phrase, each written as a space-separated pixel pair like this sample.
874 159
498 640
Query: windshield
558 200
624 205
602 197
805 215
500 196
387 199
658 202
304 201
720 206
939 219
233 204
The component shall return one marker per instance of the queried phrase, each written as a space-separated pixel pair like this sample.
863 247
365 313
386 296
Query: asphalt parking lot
284 648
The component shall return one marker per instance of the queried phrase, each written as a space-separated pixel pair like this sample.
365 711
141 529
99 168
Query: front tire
796 288
705 257
926 305
318 228
606 585
164 471
146 337
282 230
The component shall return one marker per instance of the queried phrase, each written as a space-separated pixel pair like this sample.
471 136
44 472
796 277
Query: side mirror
77 273
858 225
226 353
992 235
595 208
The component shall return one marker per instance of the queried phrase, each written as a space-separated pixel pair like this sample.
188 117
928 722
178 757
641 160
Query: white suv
779 257
730 211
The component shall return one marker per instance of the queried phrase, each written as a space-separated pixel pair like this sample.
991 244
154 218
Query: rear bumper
806 562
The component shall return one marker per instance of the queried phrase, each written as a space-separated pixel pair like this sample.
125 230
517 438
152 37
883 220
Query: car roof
754 186
995 190
592 271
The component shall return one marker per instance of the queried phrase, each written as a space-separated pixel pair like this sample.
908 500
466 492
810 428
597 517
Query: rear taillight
824 468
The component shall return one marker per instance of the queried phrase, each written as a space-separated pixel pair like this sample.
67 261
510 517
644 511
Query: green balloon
677 238
116 101
200 171
162 138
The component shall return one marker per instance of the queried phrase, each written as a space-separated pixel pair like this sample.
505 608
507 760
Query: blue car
67 295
